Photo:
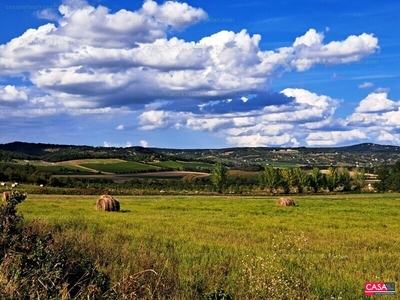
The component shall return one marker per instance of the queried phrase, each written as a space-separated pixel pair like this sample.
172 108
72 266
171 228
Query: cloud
366 85
150 120
334 137
285 121
47 14
10 94
257 140
116 145
149 23
378 117
376 102
309 49
388 137
143 143
126 58
129 63
382 90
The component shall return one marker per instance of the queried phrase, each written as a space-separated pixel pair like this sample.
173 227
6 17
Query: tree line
295 179
23 173
389 177
270 179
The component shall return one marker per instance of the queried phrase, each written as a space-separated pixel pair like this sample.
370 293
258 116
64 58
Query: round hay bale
107 203
285 201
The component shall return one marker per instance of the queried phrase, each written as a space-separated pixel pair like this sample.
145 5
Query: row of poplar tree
295 178
290 178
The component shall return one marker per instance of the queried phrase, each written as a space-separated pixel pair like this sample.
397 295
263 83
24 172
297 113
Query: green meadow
181 164
125 166
183 247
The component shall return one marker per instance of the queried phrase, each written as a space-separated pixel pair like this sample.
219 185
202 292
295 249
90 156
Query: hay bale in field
6 196
285 201
107 203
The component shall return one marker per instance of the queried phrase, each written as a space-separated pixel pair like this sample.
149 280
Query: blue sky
200 74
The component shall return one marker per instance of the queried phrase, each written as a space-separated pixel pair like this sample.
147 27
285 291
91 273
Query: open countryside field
56 168
181 164
325 248
119 178
68 167
88 166
118 167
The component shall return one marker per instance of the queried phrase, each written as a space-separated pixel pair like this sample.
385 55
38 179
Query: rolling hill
245 158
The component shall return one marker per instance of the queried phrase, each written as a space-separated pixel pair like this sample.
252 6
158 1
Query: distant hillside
364 155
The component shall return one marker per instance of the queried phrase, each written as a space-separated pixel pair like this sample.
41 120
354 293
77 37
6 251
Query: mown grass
325 248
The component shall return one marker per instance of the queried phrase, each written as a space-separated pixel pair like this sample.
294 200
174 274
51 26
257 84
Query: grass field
325 248
57 168
122 166
181 164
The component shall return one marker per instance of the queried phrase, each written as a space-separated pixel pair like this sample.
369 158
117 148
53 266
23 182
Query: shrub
33 266
219 294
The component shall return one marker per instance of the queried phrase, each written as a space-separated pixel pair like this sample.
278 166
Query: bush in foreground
33 266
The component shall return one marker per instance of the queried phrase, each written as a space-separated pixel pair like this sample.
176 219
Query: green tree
219 176
358 178
332 179
317 180
270 178
383 173
287 179
389 177
344 179
301 179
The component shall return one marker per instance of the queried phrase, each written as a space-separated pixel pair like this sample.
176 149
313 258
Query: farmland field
119 178
122 166
181 164
58 167
325 248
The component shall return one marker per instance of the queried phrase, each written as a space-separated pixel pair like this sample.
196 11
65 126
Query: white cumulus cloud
11 94
376 102
331 138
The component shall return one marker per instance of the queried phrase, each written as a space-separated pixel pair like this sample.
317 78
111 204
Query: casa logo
379 288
